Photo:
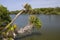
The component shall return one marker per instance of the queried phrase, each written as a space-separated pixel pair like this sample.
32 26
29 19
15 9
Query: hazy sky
18 4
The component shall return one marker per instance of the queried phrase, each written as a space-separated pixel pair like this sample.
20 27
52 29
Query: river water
50 29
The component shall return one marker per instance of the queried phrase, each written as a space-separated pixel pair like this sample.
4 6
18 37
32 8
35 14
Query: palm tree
29 26
27 8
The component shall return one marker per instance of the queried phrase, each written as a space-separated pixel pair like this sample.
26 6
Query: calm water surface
50 26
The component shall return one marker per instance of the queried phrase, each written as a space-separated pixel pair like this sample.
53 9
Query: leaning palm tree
33 21
27 9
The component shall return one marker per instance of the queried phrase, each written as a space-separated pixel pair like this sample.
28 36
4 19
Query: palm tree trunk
12 20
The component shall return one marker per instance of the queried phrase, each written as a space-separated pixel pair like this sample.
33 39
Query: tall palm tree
27 8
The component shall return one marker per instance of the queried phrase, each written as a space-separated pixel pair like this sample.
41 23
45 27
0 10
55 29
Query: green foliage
50 11
10 39
14 12
12 28
35 21
9 30
4 17
27 7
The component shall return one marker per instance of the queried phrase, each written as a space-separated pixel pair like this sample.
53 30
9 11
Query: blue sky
18 4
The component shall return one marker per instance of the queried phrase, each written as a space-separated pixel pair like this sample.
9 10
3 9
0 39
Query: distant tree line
49 11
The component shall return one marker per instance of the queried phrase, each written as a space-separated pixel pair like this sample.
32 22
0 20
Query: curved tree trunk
12 20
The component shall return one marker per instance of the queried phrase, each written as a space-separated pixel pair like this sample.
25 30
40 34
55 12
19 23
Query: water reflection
50 26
